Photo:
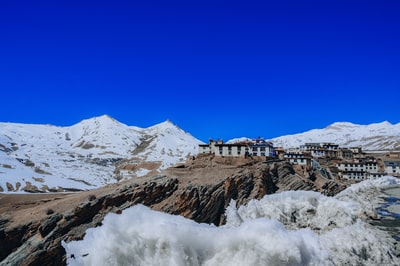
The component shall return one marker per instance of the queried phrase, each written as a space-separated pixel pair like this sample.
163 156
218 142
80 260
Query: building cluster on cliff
255 147
333 161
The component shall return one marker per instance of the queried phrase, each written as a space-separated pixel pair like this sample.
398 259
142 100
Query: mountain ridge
49 158
83 156
376 136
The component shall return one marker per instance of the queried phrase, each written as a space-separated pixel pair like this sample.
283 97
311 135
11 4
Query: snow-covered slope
237 140
378 136
169 144
83 156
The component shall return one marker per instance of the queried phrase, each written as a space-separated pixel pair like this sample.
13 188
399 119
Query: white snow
236 140
170 145
142 172
290 228
378 136
13 172
81 156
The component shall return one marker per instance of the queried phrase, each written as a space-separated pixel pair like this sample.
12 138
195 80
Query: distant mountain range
83 156
378 136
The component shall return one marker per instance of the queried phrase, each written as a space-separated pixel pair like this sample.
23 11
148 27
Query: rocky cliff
32 227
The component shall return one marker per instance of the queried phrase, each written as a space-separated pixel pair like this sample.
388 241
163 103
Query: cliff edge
32 226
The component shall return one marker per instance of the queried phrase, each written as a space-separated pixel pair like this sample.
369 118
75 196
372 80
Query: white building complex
392 168
255 147
359 170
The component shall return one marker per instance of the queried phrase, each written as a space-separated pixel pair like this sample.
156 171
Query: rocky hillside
379 136
32 227
47 158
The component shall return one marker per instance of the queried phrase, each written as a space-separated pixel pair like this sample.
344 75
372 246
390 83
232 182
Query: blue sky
217 69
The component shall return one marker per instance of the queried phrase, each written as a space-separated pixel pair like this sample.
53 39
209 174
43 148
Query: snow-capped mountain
83 156
168 143
378 136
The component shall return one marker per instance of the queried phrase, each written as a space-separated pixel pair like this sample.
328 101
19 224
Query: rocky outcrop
39 242
200 190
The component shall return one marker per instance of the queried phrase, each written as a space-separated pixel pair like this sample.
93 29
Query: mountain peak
167 124
104 118
349 124
101 120
341 125
384 123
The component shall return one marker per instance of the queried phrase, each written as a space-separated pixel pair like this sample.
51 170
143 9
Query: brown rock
9 186
200 190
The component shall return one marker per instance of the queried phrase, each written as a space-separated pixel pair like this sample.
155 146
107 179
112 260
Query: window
262 149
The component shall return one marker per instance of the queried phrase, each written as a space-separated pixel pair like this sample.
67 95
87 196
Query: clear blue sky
217 69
